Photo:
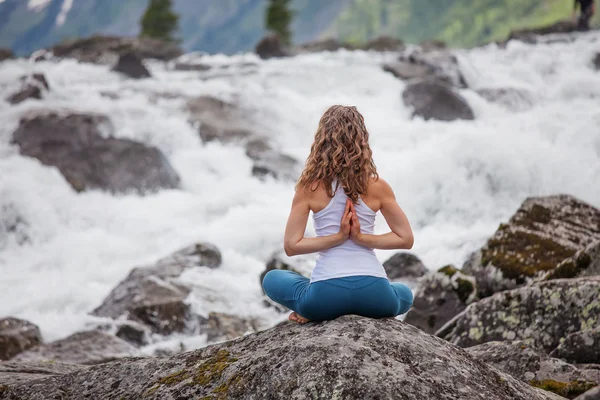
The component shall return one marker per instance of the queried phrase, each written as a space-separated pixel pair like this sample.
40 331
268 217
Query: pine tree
159 21
278 19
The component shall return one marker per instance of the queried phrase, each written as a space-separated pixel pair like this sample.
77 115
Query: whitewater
456 181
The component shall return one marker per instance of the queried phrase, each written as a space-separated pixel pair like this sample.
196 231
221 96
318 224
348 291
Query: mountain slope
230 26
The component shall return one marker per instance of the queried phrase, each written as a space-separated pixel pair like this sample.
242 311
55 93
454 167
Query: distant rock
408 71
543 233
327 44
439 297
436 100
6 54
32 87
108 49
404 265
82 148
271 47
133 333
384 43
581 347
152 296
586 262
592 394
221 327
131 65
596 62
433 45
510 98
183 66
16 336
542 314
529 35
414 66
88 348
348 358
536 368
16 373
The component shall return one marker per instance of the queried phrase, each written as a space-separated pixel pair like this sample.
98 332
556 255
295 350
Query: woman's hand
355 233
345 223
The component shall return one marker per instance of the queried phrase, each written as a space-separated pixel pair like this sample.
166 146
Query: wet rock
407 70
415 66
328 44
82 148
596 62
278 166
185 66
509 98
6 54
15 373
433 45
108 49
580 347
221 327
88 348
271 47
404 266
543 233
364 358
592 394
384 43
439 297
32 87
529 35
536 368
131 65
16 336
436 100
153 297
133 333
541 314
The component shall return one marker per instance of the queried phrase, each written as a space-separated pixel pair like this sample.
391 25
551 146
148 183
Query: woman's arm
401 236
294 242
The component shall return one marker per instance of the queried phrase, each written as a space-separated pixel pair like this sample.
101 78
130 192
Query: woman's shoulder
379 186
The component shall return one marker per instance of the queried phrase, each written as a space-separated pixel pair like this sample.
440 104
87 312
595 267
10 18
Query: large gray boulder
271 46
107 49
544 232
15 373
82 148
31 87
88 348
536 368
16 336
415 66
541 314
432 99
510 98
404 265
592 394
439 297
221 327
152 296
348 358
586 262
131 65
580 347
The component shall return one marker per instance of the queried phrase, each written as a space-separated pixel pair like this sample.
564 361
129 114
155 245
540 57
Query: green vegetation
566 389
278 19
159 21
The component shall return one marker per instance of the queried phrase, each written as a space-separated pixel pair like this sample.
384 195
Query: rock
541 314
415 66
277 165
404 265
433 45
348 358
439 297
107 49
384 43
596 62
16 336
151 296
327 44
408 71
436 100
281 261
510 98
592 394
181 66
536 368
543 233
88 348
82 148
529 35
580 347
585 262
6 54
221 327
133 333
131 65
32 87
15 373
271 47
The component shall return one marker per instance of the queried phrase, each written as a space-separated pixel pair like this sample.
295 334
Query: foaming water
456 181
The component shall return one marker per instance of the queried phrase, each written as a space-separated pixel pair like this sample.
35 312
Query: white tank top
348 258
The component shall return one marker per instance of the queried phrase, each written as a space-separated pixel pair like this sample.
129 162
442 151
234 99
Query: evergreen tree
279 17
159 21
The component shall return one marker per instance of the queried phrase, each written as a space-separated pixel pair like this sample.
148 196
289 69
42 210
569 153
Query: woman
340 185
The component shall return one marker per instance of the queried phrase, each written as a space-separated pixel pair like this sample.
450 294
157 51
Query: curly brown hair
340 152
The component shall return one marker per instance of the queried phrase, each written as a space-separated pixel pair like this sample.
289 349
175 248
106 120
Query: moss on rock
569 390
212 369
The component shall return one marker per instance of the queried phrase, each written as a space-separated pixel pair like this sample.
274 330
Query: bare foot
295 317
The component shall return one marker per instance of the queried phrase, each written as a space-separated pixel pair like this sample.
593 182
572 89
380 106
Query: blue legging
368 296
